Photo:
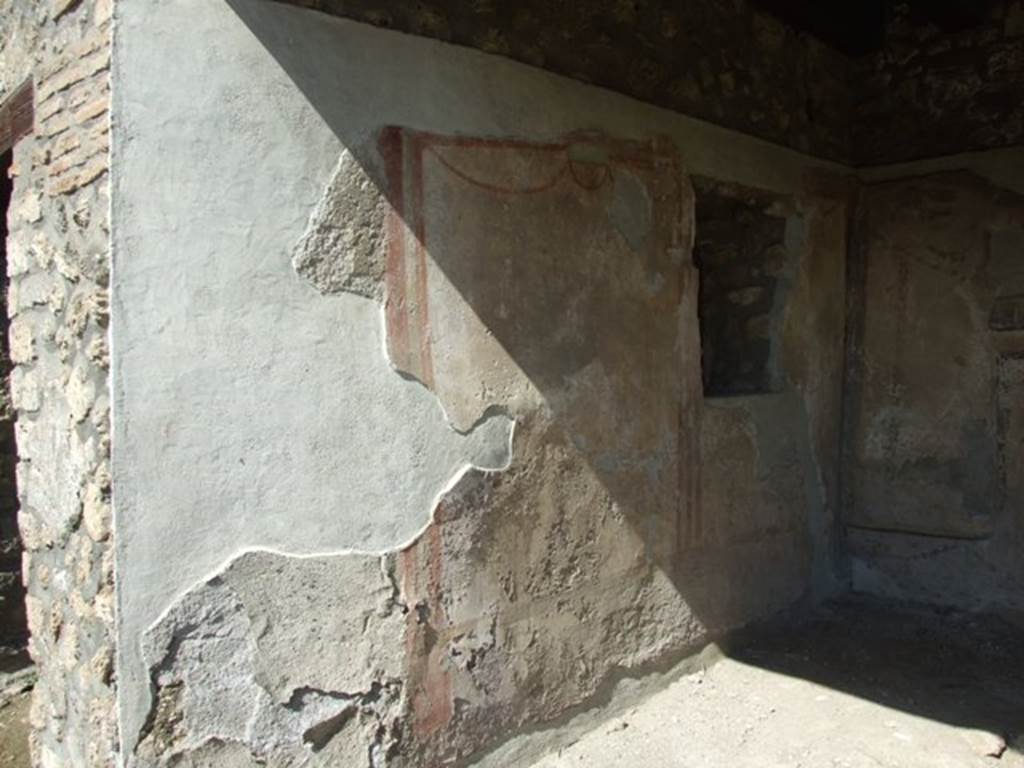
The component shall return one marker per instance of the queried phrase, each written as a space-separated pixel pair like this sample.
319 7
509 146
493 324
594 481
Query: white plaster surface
252 411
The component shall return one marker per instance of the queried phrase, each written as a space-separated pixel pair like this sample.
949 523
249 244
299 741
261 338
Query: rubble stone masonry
58 260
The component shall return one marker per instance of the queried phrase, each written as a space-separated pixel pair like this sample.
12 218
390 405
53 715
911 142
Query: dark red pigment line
390 145
426 371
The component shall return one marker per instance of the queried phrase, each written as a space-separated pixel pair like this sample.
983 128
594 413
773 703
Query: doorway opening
16 120
13 627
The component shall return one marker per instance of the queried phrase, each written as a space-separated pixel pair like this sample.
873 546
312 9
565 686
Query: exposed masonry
13 627
931 92
225 668
58 263
343 248
741 254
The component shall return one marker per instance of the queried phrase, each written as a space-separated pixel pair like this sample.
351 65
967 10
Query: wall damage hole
741 254
319 736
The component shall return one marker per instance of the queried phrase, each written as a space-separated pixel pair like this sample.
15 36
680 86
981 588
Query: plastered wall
934 391
410 452
408 376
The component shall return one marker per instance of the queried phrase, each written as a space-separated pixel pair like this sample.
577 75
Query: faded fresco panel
552 282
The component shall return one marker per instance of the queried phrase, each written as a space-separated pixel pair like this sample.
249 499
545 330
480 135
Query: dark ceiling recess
854 28
951 15
857 27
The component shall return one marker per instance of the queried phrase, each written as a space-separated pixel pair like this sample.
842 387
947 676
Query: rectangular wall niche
741 254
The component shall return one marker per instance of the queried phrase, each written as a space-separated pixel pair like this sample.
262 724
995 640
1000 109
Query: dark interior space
740 254
859 28
13 629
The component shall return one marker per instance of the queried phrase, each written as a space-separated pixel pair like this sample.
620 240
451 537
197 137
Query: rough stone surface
58 258
343 246
226 675
935 393
19 36
741 254
14 729
932 92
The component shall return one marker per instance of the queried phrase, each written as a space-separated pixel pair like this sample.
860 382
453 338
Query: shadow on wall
550 280
935 439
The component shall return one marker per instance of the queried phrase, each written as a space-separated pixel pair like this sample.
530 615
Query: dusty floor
16 677
14 732
859 685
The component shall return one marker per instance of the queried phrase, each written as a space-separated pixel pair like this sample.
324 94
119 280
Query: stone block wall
58 260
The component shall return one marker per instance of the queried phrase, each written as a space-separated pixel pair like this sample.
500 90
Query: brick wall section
58 266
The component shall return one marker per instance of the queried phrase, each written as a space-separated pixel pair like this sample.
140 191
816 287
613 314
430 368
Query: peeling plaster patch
292 660
377 509
342 248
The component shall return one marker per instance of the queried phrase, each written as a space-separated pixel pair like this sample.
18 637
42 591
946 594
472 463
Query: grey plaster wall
770 461
288 482
255 411
934 436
